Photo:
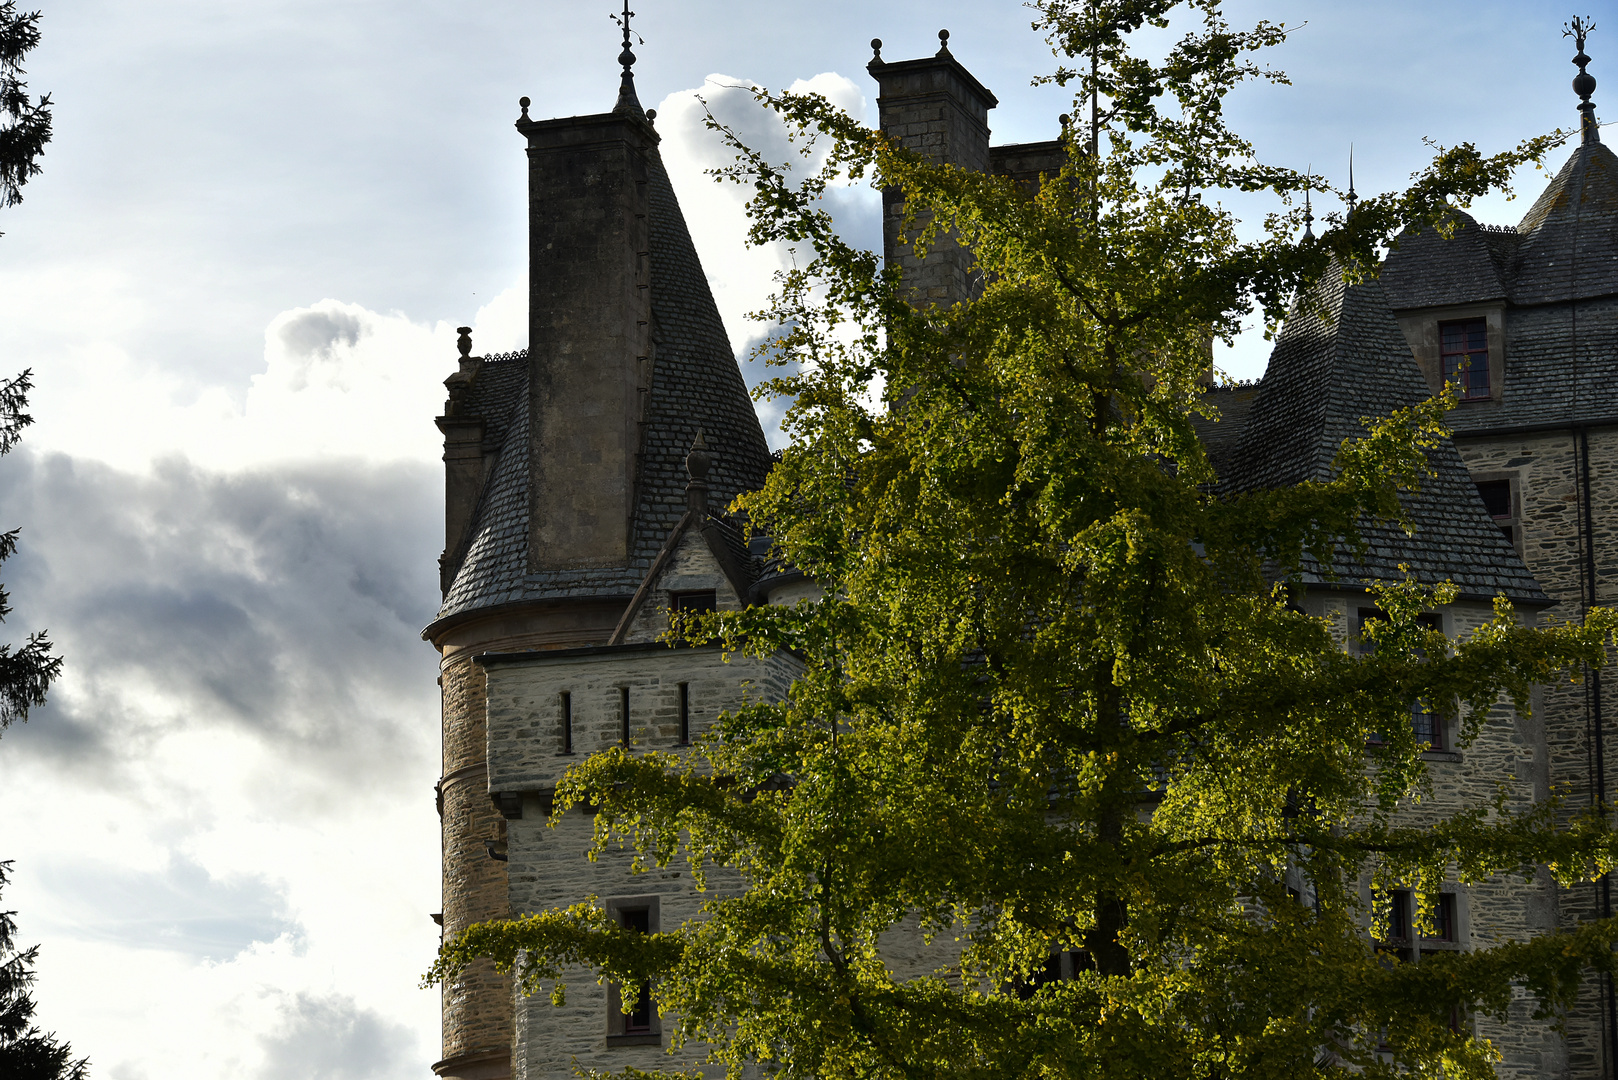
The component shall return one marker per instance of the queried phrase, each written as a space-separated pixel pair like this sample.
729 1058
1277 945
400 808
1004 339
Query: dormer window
1464 348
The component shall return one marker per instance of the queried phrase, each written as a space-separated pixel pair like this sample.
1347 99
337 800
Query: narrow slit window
1464 346
1497 500
623 713
638 1021
685 714
567 722
631 1012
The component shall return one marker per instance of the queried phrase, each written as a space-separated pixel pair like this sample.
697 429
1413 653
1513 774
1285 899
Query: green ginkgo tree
1056 697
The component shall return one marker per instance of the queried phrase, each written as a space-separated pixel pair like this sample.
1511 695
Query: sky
237 282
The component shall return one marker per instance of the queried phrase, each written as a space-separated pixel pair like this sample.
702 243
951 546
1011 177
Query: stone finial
876 50
697 464
1584 83
698 461
523 104
943 43
461 379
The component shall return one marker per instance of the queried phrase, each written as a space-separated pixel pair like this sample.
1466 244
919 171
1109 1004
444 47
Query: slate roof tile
1426 269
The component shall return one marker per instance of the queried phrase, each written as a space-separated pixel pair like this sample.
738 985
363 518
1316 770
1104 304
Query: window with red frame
1464 346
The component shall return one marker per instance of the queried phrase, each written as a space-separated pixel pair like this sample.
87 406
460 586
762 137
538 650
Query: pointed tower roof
1569 238
1568 246
1341 357
692 382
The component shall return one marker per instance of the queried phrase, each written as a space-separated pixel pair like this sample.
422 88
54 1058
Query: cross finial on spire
1584 84
626 85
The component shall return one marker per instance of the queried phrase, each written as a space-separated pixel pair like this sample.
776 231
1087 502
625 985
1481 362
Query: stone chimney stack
463 458
589 330
935 107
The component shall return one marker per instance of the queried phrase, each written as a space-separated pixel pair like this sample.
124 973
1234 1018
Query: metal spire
1353 200
626 85
1308 211
1584 83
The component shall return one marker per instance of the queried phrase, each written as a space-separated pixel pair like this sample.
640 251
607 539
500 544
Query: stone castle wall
476 1005
549 866
1545 474
1508 751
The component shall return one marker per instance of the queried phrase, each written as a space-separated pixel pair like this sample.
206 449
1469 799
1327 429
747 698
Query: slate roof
1569 246
1427 270
1221 437
1560 363
695 383
1556 274
1565 248
1338 359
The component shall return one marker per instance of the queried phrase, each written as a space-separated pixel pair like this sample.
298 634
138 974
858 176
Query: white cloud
222 822
743 277
225 812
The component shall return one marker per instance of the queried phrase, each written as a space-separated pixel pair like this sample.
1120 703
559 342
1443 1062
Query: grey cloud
180 909
332 1038
733 104
283 602
317 333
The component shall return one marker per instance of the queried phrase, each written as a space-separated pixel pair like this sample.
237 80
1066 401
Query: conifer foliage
27 122
1056 699
26 671
25 1052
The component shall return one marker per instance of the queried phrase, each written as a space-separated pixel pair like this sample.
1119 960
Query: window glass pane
1464 348
1496 498
1399 918
639 1020
1443 919
1427 727
695 602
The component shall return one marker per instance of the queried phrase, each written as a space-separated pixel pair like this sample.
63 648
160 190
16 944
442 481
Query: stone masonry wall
477 1005
1509 750
693 568
548 866
1545 481
929 107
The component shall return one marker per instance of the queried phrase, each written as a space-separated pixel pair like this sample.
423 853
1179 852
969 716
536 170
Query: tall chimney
935 107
